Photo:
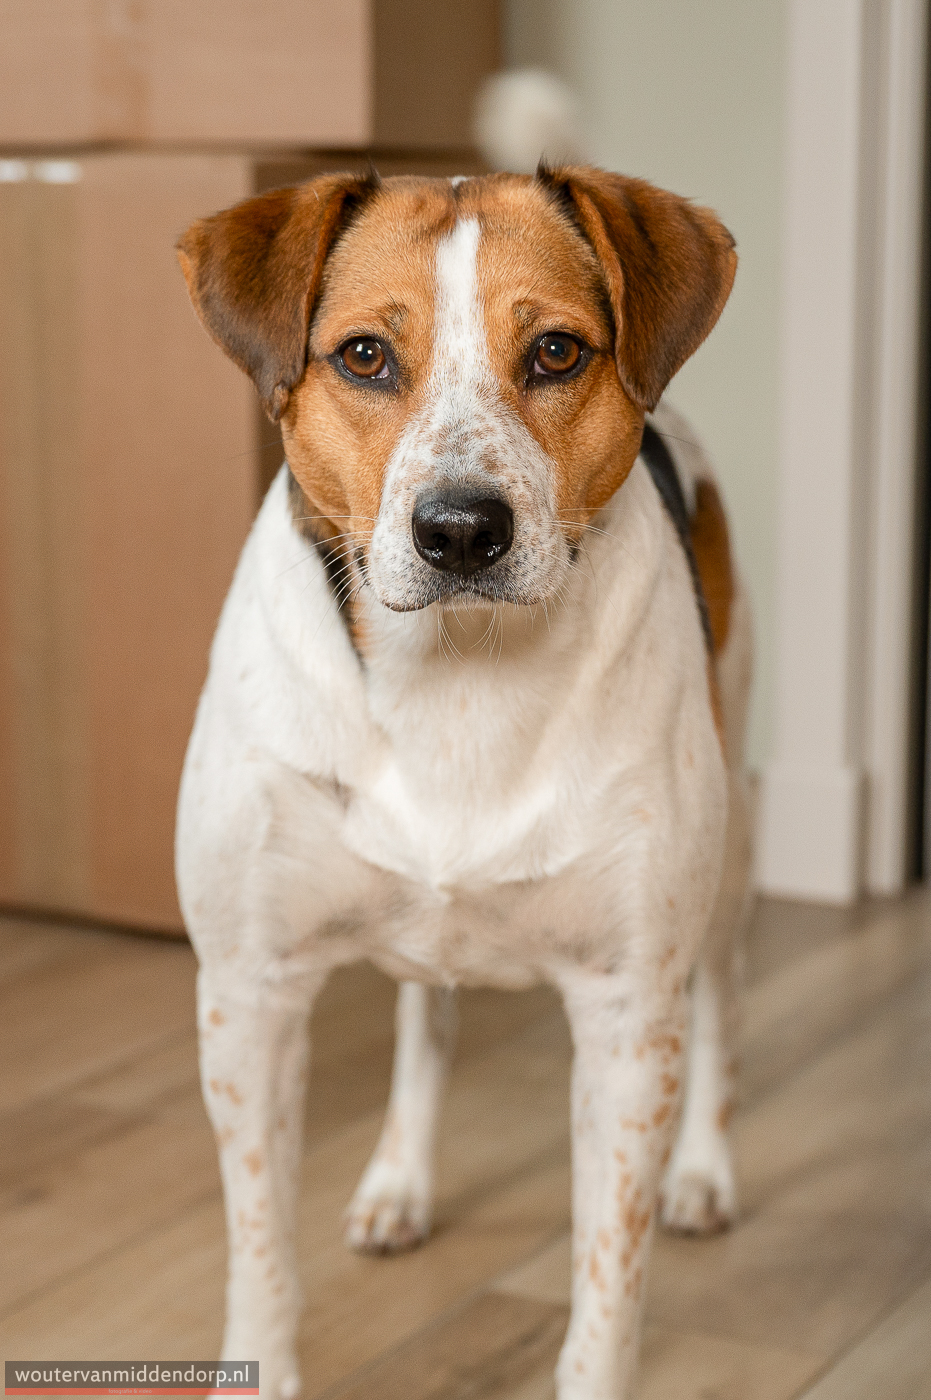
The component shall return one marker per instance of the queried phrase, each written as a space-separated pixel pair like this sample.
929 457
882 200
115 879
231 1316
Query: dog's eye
556 354
365 358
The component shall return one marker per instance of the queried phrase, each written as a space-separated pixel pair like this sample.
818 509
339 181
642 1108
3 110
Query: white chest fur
476 793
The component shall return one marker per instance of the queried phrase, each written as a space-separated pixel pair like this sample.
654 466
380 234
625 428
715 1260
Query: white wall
802 123
691 96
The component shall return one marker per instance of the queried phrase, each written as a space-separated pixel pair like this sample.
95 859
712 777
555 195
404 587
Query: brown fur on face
669 266
253 273
638 275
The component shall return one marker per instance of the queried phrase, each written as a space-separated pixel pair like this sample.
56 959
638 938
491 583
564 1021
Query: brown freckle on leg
214 1086
725 1114
661 1114
670 1084
623 1186
233 1093
216 1017
253 1162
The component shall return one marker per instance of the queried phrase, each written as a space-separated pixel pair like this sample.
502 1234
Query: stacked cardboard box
132 455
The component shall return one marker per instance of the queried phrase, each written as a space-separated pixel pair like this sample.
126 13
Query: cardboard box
133 456
300 73
127 486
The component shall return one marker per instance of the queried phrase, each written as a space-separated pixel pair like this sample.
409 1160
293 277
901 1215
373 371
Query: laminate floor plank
784 930
892 1362
76 1018
483 1351
111 1221
82 1207
797 1011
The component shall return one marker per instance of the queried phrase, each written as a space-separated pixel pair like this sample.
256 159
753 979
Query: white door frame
834 798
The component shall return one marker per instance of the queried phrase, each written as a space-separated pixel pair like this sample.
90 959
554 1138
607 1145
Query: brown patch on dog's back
711 547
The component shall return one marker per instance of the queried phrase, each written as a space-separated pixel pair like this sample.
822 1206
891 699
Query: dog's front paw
698 1202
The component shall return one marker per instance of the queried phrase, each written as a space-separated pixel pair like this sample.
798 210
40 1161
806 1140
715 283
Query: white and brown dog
475 703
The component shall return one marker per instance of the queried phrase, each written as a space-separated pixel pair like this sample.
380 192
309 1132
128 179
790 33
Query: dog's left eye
556 354
365 359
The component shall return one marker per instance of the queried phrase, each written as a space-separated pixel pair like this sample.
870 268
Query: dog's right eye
365 359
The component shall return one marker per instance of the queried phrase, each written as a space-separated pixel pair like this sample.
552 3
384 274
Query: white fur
465 435
497 795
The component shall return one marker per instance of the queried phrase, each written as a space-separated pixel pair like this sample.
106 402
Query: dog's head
461 368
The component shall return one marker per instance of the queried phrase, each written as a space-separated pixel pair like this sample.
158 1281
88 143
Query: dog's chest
467 779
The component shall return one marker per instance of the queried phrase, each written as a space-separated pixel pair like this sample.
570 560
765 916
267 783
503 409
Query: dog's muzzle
457 531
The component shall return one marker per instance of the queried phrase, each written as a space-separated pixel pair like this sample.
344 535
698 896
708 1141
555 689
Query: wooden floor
111 1239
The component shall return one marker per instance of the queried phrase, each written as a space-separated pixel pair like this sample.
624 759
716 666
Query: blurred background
133 458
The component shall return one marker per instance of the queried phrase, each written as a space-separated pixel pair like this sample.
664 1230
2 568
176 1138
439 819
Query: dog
475 704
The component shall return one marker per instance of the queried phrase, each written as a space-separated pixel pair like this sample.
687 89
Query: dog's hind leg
391 1208
698 1194
254 1053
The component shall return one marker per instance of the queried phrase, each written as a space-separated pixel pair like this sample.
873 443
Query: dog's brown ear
254 271
669 266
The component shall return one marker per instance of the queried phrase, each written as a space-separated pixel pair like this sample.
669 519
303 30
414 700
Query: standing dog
475 703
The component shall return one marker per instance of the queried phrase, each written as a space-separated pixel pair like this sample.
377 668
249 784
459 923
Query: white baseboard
809 843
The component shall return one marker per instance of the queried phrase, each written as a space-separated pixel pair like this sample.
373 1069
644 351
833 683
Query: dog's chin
473 595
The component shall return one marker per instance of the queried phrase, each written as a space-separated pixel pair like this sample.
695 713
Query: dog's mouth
479 593
455 590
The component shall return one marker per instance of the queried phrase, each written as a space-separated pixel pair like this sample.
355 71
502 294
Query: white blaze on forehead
459 350
464 433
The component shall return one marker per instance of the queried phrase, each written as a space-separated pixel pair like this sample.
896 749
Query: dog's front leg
254 1052
391 1208
628 1042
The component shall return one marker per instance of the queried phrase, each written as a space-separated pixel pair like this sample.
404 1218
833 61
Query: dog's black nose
459 532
